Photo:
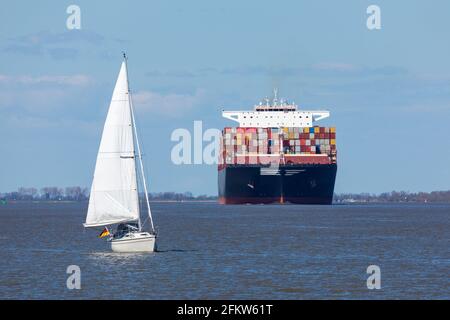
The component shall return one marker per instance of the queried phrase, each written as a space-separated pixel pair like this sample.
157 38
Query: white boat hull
135 242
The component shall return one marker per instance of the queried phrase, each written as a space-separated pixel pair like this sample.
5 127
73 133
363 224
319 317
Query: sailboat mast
139 152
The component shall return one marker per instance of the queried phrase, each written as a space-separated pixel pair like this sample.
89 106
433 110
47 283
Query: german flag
104 233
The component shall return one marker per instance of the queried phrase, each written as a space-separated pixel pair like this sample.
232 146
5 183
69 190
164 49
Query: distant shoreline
86 201
216 201
79 194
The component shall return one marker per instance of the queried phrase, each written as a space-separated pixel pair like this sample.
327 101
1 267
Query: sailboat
114 197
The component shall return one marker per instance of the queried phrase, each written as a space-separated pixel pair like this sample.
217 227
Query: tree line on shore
394 196
82 194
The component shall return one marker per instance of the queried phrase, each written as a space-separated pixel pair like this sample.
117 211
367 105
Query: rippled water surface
236 252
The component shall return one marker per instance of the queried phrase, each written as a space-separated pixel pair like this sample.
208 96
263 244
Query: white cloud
63 45
32 123
71 80
172 104
40 93
336 66
427 108
33 100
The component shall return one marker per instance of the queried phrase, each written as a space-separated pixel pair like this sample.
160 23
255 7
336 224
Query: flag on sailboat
104 233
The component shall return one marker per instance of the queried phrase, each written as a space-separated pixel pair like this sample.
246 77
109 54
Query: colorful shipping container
250 145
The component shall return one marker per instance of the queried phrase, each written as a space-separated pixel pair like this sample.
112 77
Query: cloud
172 104
335 66
316 70
63 53
70 80
59 46
26 122
44 38
346 86
50 103
37 94
33 100
326 69
175 74
427 108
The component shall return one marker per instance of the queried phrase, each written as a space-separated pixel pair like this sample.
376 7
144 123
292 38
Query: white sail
114 195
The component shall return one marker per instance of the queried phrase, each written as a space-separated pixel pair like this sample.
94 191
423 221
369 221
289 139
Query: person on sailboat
125 228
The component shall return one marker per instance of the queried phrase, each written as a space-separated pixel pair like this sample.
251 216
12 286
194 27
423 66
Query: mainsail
114 194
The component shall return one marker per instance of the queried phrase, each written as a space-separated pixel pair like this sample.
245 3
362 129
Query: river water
210 251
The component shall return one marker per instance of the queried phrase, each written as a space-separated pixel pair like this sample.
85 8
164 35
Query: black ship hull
298 183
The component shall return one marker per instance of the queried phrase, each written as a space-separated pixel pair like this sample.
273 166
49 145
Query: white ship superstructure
276 113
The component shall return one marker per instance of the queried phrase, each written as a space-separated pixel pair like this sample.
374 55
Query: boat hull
296 183
135 242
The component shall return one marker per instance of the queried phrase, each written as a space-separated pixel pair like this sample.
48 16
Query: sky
388 90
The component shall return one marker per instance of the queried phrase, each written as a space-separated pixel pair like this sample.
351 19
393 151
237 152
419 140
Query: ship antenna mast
275 96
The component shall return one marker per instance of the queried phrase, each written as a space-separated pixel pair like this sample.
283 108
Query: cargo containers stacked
258 143
313 140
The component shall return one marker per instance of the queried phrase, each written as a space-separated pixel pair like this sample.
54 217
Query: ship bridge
276 113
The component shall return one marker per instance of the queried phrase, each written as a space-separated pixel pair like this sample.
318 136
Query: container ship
277 154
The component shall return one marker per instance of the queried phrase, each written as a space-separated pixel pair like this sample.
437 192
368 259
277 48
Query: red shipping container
240 160
307 159
252 159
